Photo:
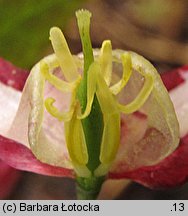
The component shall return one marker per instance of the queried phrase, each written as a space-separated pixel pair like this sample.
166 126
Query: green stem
88 188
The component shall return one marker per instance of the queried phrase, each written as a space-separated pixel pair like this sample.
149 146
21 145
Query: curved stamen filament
63 87
61 116
127 71
141 97
59 84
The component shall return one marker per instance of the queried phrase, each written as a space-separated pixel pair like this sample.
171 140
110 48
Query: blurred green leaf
24 27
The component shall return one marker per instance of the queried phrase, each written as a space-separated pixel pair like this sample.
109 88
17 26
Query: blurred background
156 29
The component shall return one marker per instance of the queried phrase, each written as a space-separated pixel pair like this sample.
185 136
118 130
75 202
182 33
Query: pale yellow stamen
111 114
106 100
127 71
62 86
105 61
63 54
76 140
111 118
96 84
141 97
76 144
110 142
61 116
98 81
59 84
91 89
111 138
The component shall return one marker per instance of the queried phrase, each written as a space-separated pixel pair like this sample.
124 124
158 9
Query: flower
136 140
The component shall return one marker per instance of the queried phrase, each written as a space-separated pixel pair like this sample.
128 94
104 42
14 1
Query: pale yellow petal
110 142
149 138
35 125
75 139
111 138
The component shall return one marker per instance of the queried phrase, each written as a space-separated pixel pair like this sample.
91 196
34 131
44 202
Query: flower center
92 123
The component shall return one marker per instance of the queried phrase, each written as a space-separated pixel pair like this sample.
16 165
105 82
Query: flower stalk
88 188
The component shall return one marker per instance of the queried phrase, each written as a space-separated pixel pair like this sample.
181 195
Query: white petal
46 133
9 101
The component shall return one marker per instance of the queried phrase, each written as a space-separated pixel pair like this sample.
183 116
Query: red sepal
11 75
173 78
20 157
